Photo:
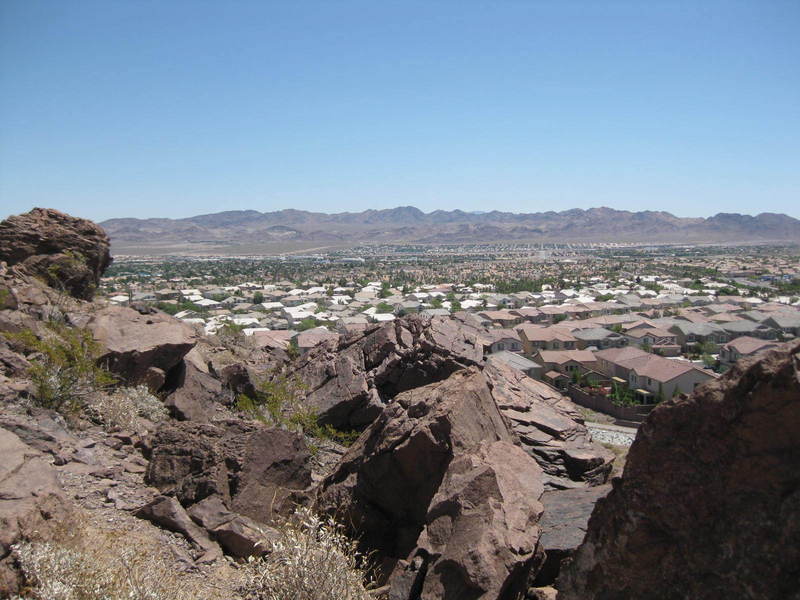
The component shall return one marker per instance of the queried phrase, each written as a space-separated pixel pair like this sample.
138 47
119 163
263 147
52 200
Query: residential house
529 314
736 329
501 318
690 335
568 362
407 307
657 339
500 340
599 338
787 324
616 362
536 337
743 346
663 378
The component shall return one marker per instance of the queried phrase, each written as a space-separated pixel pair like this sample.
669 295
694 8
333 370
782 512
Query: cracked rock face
141 348
67 252
31 501
709 503
251 468
549 429
351 382
437 485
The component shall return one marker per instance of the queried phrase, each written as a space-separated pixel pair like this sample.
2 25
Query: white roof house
383 317
206 302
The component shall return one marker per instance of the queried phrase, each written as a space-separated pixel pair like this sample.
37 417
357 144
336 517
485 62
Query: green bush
64 369
278 402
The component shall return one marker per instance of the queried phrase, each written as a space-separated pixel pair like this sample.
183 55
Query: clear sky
174 108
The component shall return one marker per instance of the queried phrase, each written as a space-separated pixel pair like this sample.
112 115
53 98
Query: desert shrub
88 563
310 559
124 406
64 371
279 402
231 336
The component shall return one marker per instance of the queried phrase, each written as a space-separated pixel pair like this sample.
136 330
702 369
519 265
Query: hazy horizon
152 109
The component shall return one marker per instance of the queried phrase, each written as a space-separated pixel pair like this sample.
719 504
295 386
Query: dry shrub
310 559
84 562
124 406
64 369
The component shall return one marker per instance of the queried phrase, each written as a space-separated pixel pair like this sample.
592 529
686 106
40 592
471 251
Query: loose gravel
610 436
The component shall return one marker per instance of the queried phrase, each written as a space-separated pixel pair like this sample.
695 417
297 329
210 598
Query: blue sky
139 108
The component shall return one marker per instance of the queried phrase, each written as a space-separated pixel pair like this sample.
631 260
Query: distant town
614 327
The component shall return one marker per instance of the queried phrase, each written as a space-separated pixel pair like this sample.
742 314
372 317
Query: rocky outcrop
70 254
168 513
709 502
140 348
564 523
549 428
31 502
253 469
481 533
437 484
193 395
350 382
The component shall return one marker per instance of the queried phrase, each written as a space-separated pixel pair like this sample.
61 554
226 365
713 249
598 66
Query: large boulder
192 394
549 428
168 513
709 502
564 523
252 468
428 480
31 502
141 348
481 532
350 382
70 254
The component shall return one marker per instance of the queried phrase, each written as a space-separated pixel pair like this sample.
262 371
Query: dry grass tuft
124 406
85 562
310 559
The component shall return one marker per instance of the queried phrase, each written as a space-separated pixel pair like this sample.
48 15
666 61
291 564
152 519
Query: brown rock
31 502
8 297
387 478
168 513
481 535
350 382
195 393
69 253
141 348
254 469
435 475
566 517
549 428
12 364
709 502
240 537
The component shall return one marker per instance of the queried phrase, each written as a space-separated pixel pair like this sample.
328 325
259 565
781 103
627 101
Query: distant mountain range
408 224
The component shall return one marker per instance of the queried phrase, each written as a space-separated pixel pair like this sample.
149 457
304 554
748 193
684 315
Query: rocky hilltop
709 503
211 470
409 224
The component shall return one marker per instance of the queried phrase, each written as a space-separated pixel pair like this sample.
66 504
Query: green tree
258 298
307 323
383 307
